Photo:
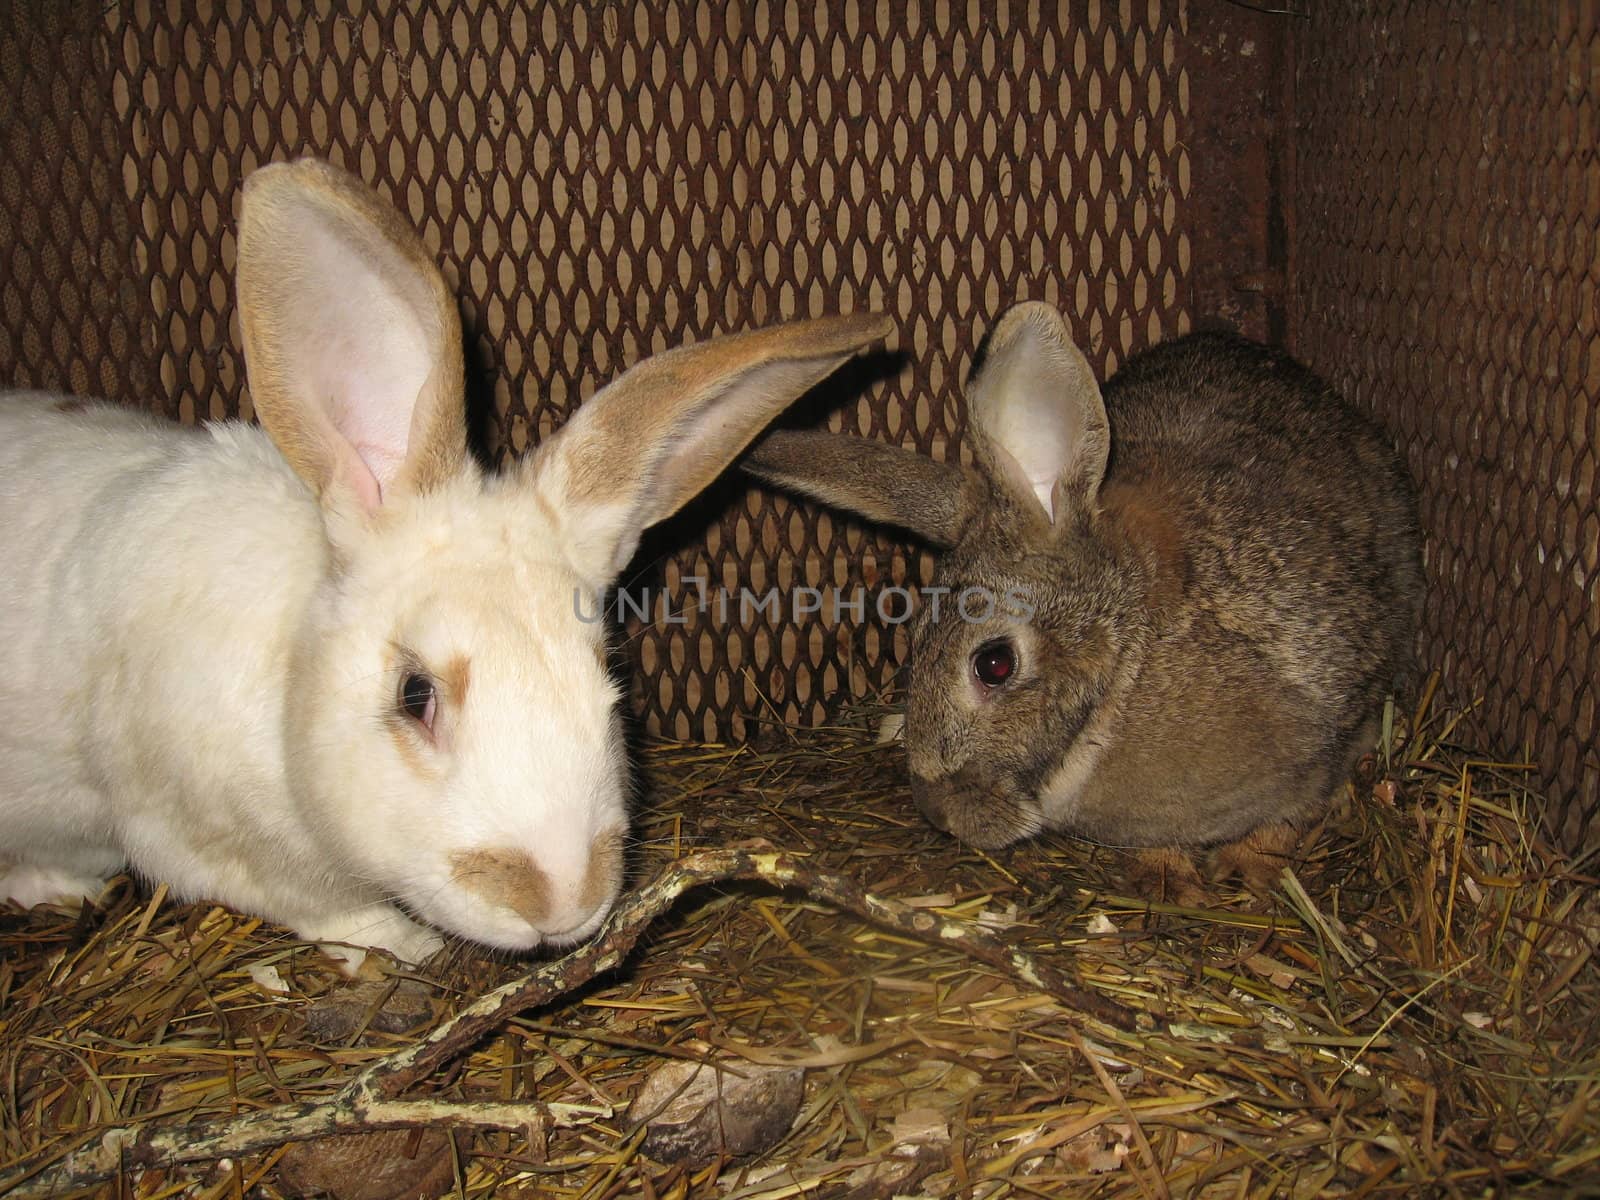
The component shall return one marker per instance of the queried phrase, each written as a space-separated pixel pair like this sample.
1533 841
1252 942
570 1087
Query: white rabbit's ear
352 342
1037 404
650 441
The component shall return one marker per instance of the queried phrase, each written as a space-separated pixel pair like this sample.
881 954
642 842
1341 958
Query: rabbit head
452 730
1019 639
1008 694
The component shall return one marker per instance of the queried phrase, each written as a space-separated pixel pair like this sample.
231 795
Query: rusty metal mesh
602 181
1447 276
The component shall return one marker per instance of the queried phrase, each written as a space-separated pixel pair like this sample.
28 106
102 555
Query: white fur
191 689
208 639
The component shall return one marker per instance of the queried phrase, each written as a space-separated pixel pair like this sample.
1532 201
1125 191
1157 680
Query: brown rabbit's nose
512 879
930 800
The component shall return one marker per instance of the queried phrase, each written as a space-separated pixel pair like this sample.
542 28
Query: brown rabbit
1184 603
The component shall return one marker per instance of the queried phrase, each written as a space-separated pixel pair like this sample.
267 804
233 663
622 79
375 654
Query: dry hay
1415 1013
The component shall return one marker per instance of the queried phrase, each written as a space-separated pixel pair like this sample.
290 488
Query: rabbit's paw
28 885
1167 875
346 937
1258 858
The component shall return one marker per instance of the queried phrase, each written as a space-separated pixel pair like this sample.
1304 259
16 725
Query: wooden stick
371 1100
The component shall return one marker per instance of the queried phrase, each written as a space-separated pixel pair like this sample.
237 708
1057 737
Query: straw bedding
1413 1012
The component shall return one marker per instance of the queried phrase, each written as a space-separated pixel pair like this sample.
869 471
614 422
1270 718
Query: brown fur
1217 618
511 879
883 483
1167 875
450 688
1259 857
453 679
660 401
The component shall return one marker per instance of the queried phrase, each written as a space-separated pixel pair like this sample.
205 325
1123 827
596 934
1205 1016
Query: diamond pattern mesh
1447 276
69 306
602 181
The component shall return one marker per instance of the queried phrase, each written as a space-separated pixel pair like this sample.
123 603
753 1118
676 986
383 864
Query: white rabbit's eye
994 663
419 698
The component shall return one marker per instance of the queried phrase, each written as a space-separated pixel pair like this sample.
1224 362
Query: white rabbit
328 671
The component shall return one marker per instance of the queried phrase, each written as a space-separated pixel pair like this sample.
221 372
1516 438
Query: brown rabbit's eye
419 698
993 663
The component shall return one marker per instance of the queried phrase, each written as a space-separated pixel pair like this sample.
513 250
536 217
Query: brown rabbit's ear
652 440
886 484
352 343
1037 404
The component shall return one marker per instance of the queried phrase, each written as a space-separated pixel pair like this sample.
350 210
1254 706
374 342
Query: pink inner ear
371 370
359 338
359 477
381 461
1042 490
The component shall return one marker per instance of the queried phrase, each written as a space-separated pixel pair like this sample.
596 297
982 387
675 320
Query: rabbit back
155 573
1292 584
1297 518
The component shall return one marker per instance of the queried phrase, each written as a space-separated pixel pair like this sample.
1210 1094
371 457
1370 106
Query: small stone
698 1112
337 1016
391 1164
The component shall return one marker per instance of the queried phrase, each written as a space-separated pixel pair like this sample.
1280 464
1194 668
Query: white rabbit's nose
553 905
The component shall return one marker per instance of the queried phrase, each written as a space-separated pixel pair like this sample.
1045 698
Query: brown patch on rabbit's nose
511 879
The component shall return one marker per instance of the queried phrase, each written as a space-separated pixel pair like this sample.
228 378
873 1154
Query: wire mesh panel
602 181
1447 276
70 309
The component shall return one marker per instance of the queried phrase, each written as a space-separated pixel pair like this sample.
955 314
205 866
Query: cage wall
1446 275
1406 193
604 181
